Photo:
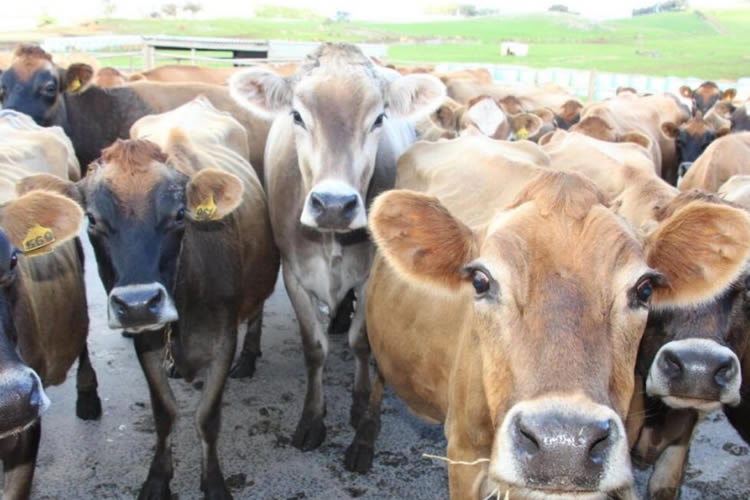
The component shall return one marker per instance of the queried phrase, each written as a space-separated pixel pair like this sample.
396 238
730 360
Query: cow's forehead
25 67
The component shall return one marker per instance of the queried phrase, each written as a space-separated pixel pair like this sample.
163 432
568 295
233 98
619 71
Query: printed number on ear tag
38 241
522 133
207 209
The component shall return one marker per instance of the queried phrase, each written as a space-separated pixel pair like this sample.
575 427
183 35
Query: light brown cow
518 327
185 73
737 190
108 77
725 157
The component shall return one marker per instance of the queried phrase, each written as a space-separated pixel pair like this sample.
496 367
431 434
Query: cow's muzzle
334 206
563 447
22 399
682 170
138 308
695 373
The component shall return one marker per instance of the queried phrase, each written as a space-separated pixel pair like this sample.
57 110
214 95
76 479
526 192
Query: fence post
148 56
592 85
192 56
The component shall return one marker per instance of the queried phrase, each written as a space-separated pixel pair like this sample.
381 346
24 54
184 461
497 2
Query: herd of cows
563 285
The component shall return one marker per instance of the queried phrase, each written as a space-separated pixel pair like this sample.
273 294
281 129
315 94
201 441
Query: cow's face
706 95
691 356
34 85
691 139
140 202
741 119
338 106
37 221
561 291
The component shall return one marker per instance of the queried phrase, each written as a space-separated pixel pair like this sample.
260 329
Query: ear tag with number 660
38 241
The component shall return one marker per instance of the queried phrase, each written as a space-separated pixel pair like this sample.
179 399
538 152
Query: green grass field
712 44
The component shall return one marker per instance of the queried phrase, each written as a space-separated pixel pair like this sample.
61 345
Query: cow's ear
701 249
670 130
415 96
261 91
445 116
546 114
525 125
420 238
729 94
76 77
40 220
212 194
546 138
686 92
636 138
48 182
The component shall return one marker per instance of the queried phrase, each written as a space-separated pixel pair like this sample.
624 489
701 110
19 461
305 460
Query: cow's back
723 158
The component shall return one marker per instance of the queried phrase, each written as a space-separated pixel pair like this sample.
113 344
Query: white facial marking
487 116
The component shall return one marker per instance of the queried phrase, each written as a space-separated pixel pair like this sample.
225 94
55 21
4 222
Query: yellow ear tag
38 241
74 85
207 209
522 133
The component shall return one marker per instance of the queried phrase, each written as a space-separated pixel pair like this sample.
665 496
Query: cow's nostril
119 305
154 302
670 365
600 446
527 441
725 373
316 203
350 205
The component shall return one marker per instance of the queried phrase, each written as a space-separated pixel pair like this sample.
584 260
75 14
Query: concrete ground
110 458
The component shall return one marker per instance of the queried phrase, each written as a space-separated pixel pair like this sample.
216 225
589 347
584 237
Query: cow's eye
91 219
180 216
378 121
49 88
644 290
297 118
480 281
13 260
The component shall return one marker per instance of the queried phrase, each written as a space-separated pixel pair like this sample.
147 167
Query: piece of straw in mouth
455 462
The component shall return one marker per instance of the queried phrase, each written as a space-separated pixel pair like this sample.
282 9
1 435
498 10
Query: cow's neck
97 117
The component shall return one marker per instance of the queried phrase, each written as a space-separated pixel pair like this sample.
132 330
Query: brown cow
108 77
691 140
706 95
723 158
43 325
185 73
556 281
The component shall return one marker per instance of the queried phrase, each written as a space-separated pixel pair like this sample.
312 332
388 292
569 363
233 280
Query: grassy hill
707 44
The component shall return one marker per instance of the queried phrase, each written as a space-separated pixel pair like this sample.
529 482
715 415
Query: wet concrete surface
110 458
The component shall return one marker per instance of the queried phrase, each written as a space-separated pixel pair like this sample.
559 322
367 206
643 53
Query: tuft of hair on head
558 192
135 154
31 51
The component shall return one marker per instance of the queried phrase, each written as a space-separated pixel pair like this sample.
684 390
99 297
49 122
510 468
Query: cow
467 300
92 117
181 234
706 95
338 129
740 120
43 324
727 156
185 73
483 115
108 77
691 140
736 190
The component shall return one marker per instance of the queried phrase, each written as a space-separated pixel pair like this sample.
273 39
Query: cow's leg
150 350
311 431
467 481
359 455
361 347
669 467
739 417
20 459
208 416
245 366
88 404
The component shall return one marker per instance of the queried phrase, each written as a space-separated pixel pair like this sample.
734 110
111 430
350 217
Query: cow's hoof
245 367
360 402
310 434
216 490
665 494
155 489
88 405
358 457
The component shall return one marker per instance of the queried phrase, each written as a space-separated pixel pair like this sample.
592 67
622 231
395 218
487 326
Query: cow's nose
684 167
138 307
566 452
22 399
698 373
333 210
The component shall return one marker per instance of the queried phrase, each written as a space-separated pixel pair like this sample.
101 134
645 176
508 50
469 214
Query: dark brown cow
691 140
706 95
92 117
185 252
43 323
741 118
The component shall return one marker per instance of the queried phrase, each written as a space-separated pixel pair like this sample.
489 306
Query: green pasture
707 44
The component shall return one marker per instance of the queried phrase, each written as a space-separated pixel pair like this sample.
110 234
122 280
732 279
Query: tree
192 7
169 9
467 10
558 8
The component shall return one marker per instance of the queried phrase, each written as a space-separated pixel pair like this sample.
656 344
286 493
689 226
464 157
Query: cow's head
741 118
484 116
706 95
338 105
561 292
598 128
35 222
569 114
140 201
691 139
34 85
692 354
